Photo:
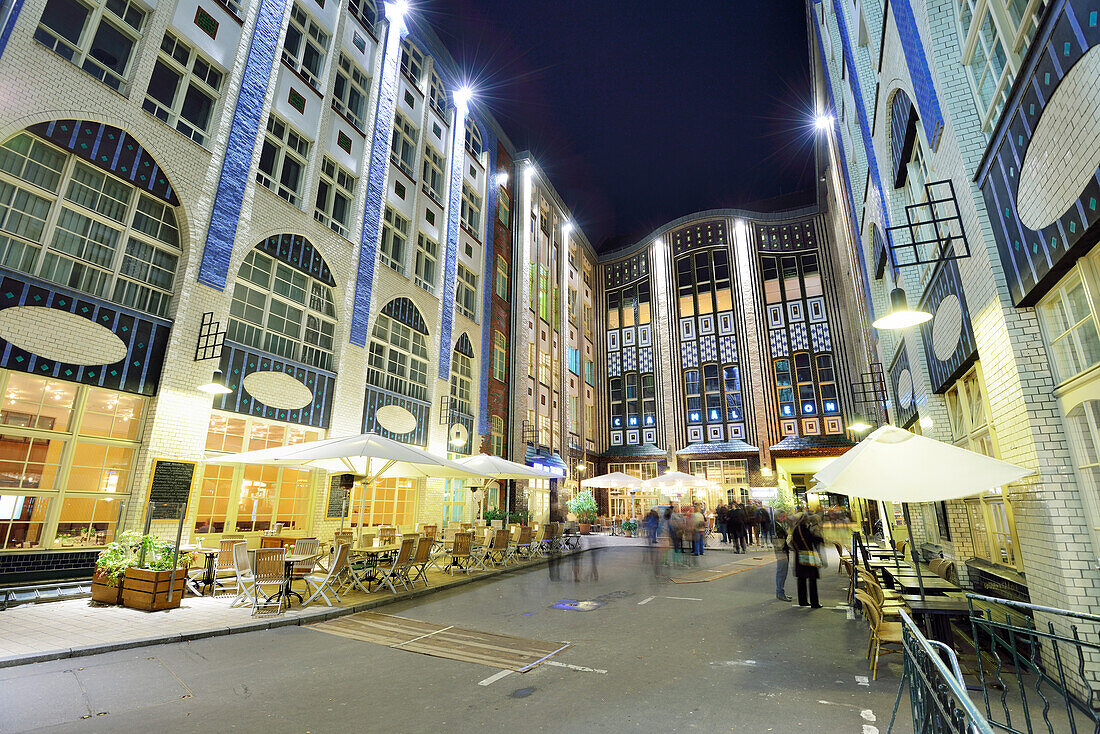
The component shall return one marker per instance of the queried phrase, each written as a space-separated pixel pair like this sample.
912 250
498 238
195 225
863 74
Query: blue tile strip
488 280
928 103
450 263
376 181
229 198
9 23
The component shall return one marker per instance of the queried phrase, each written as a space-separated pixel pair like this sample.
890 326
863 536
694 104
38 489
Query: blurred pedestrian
699 527
720 516
765 524
736 520
806 543
782 557
752 524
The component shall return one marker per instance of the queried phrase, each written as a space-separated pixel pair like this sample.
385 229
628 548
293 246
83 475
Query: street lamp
900 316
216 386
824 121
858 425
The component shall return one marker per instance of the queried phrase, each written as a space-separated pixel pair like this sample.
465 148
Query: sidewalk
33 633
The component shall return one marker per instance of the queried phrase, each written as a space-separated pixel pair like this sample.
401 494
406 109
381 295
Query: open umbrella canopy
498 468
895 465
367 455
614 480
677 480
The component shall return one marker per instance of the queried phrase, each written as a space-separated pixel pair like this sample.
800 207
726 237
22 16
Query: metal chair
271 571
399 571
325 584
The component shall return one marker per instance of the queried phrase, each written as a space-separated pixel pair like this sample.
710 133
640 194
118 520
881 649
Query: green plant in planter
520 516
492 514
630 526
118 556
583 505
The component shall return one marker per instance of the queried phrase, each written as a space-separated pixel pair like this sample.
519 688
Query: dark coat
722 515
736 518
804 539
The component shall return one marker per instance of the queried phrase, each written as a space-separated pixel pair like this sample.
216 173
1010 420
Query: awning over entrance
735 447
811 446
641 451
550 462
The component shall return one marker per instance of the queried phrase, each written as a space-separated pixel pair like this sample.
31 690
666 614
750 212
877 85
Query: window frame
288 145
79 53
188 77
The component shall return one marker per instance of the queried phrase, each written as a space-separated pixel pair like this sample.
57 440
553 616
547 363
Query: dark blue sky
641 111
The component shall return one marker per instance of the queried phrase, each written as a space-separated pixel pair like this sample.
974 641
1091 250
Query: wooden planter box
148 590
584 528
104 592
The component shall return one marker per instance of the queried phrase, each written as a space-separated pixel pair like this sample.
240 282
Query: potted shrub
111 566
629 527
522 517
146 586
494 517
583 505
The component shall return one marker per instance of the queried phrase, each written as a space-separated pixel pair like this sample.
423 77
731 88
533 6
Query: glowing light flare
900 316
462 96
399 9
824 121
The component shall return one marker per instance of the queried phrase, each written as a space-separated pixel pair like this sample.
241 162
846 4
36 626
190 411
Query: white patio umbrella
894 465
677 482
502 469
370 455
614 480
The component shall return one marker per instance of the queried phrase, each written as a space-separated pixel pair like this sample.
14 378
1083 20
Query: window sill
188 138
1078 380
302 77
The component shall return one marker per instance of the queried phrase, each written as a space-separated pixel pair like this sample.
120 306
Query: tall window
282 160
99 37
501 277
462 380
183 89
437 95
471 209
504 208
500 356
80 227
1084 424
66 460
395 240
1069 323
403 145
412 61
349 92
466 292
433 174
993 37
334 196
384 502
427 262
305 46
398 359
967 414
365 11
496 435
473 140
281 310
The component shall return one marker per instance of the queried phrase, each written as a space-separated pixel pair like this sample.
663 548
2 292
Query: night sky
641 112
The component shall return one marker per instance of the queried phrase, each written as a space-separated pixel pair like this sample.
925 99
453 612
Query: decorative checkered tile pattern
819 337
630 359
800 341
689 356
727 348
613 365
708 349
778 339
645 359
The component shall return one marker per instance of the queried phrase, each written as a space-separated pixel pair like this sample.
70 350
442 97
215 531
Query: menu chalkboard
170 487
339 491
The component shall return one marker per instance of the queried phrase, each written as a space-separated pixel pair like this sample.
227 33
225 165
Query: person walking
752 524
765 518
720 517
782 557
698 522
805 542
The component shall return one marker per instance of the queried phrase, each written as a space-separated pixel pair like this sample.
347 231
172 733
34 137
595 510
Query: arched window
285 308
462 376
1084 429
398 358
74 218
473 139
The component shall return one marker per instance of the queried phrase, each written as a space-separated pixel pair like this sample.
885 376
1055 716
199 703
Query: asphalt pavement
648 655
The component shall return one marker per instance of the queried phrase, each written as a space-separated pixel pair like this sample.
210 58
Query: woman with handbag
805 543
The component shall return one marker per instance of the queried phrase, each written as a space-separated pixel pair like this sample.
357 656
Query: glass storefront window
386 502
29 463
87 521
22 521
32 402
259 489
112 415
213 502
225 433
100 468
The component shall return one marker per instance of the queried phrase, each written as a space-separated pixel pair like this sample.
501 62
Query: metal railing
937 693
1058 666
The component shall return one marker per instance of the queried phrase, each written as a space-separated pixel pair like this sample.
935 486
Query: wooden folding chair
421 559
269 571
325 584
460 553
399 571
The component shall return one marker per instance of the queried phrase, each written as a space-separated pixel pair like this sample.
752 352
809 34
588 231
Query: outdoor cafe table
933 585
290 560
936 613
370 556
210 555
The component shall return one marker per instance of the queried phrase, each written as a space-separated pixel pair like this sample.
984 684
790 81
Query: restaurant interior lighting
216 386
900 316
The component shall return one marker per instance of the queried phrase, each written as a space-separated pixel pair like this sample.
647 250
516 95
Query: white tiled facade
1053 543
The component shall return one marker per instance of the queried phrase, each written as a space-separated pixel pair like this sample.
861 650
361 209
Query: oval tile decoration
947 327
395 419
1057 164
277 390
905 388
60 336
